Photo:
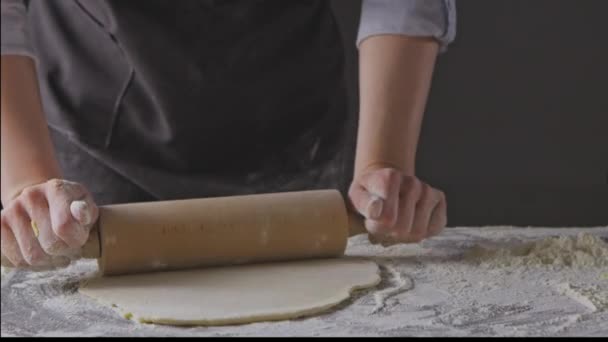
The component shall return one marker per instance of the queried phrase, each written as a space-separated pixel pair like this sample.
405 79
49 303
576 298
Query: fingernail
374 208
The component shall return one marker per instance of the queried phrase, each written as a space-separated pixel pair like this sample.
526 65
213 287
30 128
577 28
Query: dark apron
193 98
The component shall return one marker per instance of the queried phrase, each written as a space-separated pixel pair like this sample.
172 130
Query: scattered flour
582 250
450 297
403 283
593 297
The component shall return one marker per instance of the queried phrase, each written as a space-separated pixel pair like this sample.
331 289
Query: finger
410 195
377 229
37 208
439 217
10 247
422 216
60 195
21 226
384 184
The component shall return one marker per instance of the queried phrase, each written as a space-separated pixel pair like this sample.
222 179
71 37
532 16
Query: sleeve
14 39
422 18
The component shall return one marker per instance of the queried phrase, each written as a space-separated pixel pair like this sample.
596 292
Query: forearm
26 150
395 73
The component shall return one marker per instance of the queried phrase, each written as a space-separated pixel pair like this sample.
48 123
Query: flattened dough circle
235 295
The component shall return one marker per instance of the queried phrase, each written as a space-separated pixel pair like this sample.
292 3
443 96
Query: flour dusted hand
46 224
398 208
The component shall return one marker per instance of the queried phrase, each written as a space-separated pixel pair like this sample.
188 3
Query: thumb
85 212
379 198
367 204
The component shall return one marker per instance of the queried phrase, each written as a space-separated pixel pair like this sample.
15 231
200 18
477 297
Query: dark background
516 128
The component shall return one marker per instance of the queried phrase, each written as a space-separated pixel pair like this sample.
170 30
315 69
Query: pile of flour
582 250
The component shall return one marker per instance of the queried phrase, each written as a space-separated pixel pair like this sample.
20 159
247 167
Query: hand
46 224
398 208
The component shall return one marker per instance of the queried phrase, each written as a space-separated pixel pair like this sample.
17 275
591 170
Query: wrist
365 164
387 139
377 165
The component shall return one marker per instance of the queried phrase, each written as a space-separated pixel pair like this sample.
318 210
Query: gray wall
516 129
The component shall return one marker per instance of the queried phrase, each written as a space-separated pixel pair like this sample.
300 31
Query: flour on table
452 296
4 271
403 283
593 297
580 251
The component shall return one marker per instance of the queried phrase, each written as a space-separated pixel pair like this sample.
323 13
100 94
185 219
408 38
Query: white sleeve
421 18
14 39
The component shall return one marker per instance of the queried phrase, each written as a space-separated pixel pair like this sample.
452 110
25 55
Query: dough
236 294
582 250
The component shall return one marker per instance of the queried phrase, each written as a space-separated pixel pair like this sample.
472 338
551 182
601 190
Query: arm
25 160
395 77
44 220
27 153
398 45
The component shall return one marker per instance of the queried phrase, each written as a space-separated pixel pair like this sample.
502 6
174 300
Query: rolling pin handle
356 224
92 248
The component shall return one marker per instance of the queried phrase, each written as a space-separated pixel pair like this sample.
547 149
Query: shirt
108 94
420 18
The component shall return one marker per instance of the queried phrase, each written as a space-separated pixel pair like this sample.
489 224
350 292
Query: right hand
46 225
398 208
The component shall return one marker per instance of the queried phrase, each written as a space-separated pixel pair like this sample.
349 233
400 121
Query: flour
6 274
580 251
593 297
452 296
5 271
402 283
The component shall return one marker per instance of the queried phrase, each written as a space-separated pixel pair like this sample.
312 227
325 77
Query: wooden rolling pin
171 235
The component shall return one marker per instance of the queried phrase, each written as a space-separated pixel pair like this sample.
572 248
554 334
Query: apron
193 98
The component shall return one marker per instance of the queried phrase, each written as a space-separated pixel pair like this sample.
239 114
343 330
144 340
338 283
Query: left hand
398 208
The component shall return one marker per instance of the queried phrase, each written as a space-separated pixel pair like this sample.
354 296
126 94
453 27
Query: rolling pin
180 234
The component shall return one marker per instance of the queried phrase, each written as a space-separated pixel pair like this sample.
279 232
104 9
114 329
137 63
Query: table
427 289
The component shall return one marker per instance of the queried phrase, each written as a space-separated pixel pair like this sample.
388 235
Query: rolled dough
236 294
